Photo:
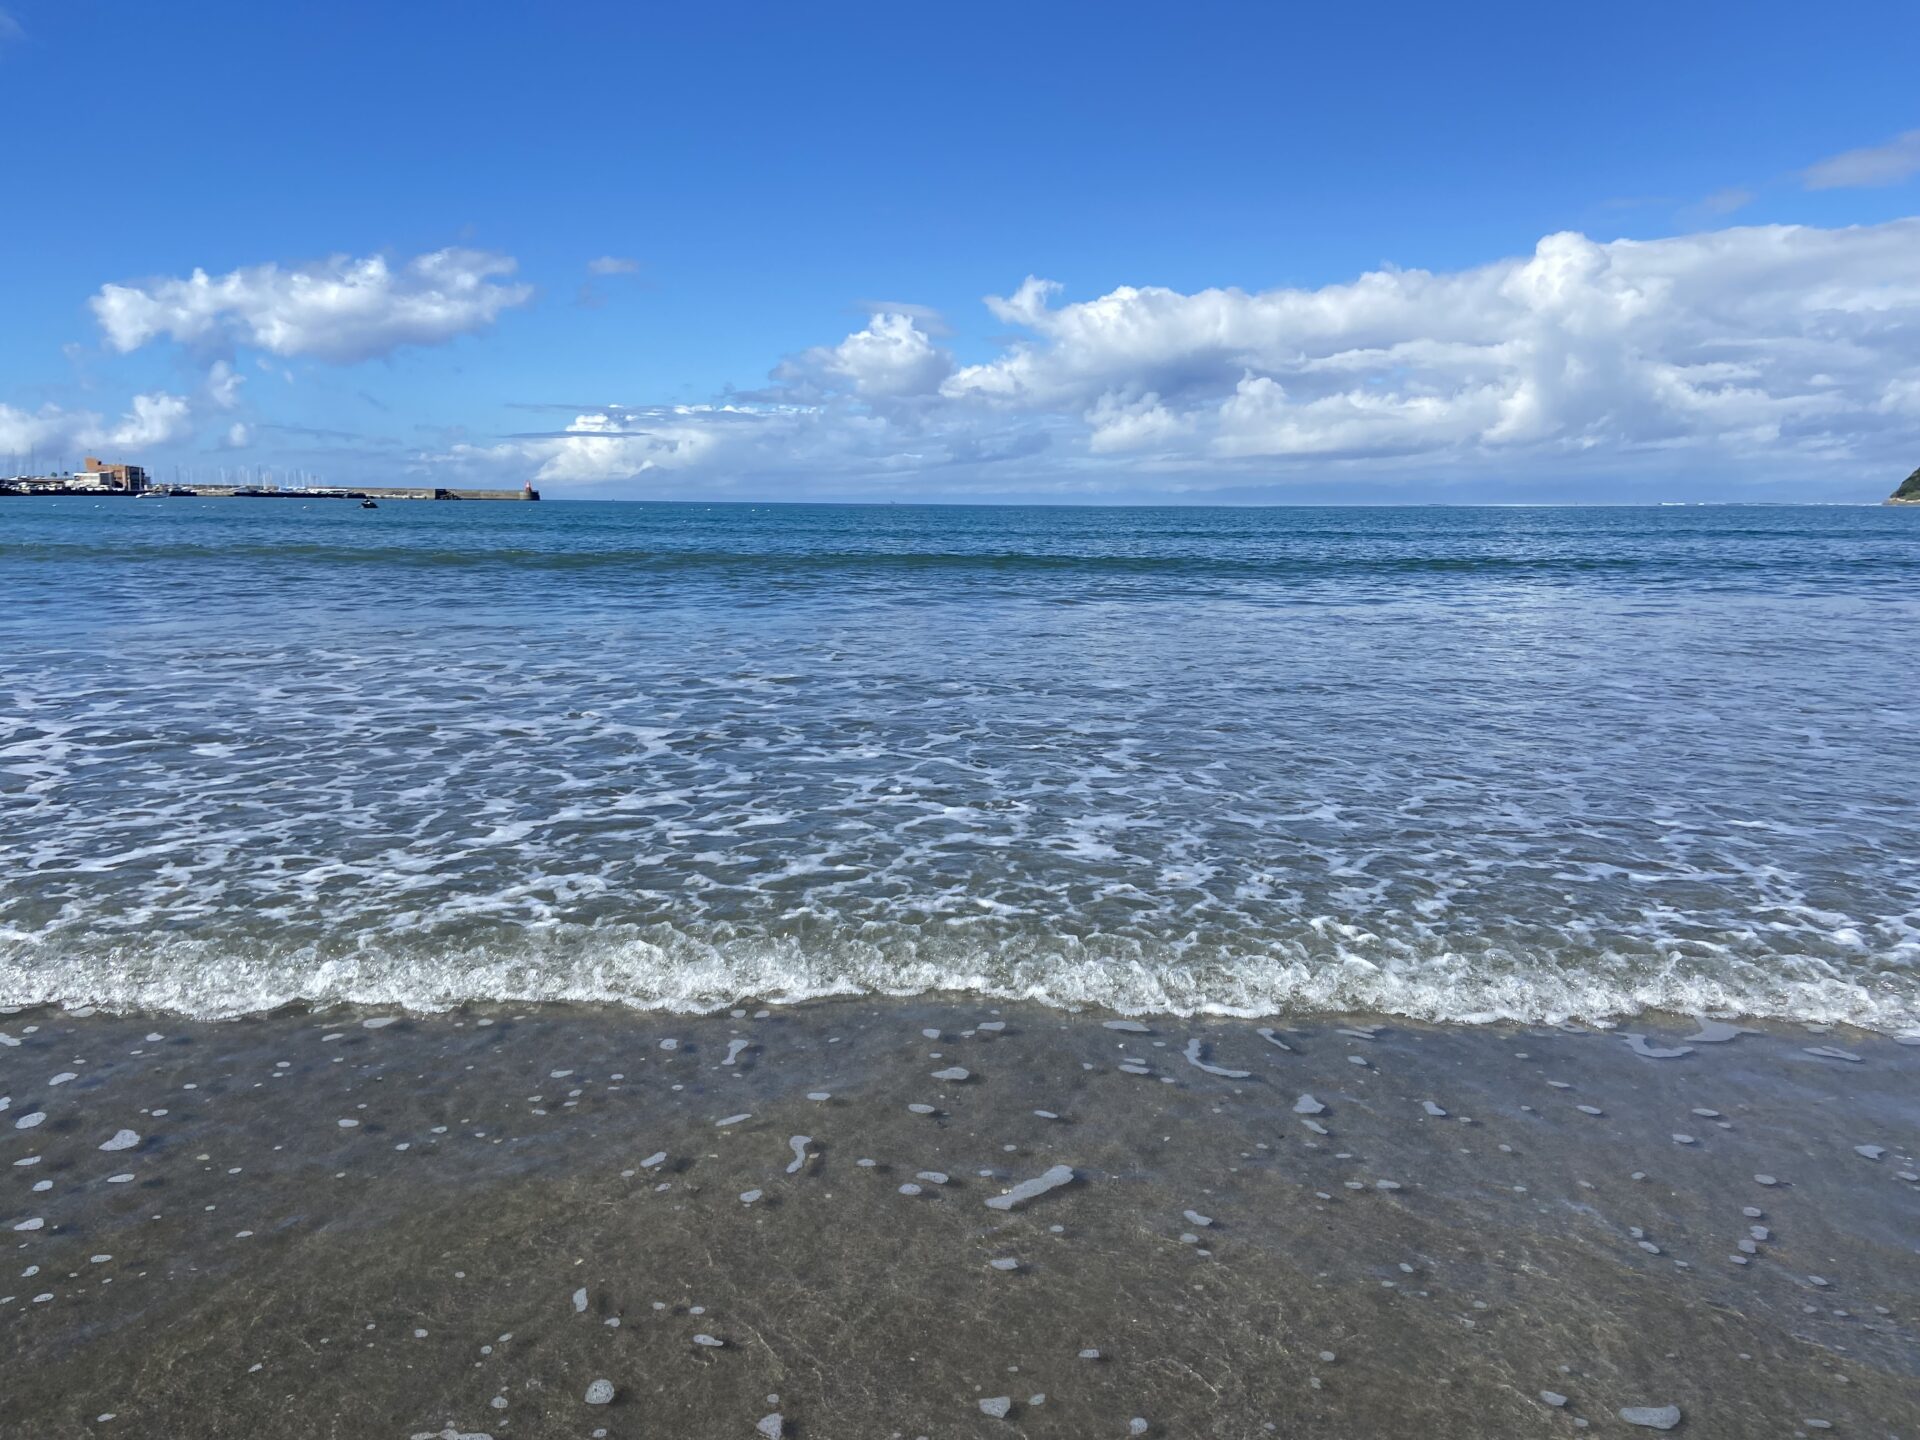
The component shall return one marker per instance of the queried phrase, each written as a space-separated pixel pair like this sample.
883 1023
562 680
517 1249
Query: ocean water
1446 763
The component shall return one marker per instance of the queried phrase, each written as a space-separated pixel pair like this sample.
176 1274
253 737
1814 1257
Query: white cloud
1119 424
619 443
340 310
893 358
1886 164
10 29
156 419
613 265
1781 351
224 384
929 320
1711 339
152 419
238 436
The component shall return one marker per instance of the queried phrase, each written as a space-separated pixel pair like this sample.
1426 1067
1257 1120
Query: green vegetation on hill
1909 488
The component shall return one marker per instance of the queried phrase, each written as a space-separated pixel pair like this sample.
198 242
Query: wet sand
807 1222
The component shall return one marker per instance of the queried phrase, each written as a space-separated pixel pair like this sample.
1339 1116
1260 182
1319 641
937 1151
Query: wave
768 570
662 968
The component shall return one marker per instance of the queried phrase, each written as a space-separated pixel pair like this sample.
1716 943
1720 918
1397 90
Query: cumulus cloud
613 265
341 309
224 384
1739 337
891 359
930 321
156 419
152 419
621 443
1761 350
1886 164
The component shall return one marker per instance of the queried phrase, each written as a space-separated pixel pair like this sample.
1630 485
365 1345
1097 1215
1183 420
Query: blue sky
801 215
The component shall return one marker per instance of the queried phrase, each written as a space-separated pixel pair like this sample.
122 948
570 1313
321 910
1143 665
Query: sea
1457 764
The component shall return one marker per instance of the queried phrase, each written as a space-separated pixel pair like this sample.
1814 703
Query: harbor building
95 474
95 477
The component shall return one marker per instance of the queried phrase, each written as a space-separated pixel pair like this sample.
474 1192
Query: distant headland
1909 491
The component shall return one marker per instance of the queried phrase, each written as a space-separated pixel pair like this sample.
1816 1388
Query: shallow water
1447 763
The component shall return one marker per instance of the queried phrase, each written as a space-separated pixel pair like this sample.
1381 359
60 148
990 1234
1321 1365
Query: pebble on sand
999 1407
1307 1105
600 1392
1717 1032
772 1426
122 1140
954 1074
1032 1189
1132 1027
1652 1417
1638 1044
1196 1049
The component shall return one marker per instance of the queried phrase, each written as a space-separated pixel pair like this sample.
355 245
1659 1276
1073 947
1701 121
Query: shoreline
1675 1023
1450 1226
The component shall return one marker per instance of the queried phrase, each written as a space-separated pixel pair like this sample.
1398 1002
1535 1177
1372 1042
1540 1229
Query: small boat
368 505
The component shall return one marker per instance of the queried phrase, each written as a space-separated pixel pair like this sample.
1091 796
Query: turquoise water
1452 763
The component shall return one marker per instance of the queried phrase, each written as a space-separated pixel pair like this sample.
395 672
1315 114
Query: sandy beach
944 1218
970 723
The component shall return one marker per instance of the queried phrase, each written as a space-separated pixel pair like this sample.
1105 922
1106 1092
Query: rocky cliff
1909 491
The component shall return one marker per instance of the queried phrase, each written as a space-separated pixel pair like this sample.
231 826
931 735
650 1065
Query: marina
130 482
